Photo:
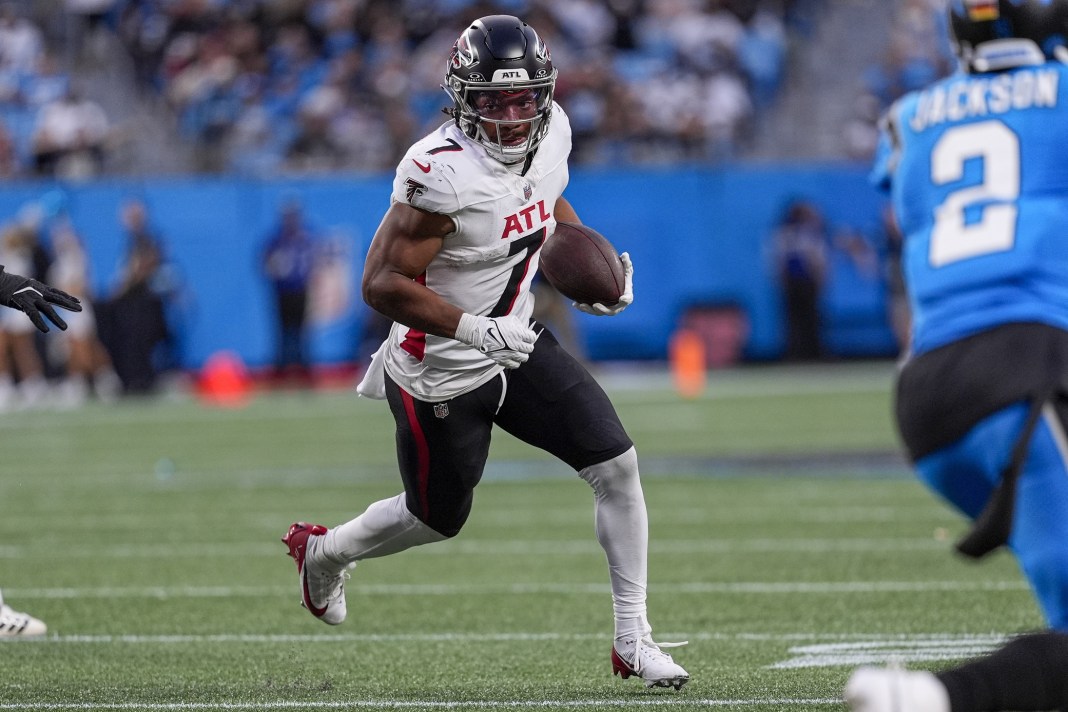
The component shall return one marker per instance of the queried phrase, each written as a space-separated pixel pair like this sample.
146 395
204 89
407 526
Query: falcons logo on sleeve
412 189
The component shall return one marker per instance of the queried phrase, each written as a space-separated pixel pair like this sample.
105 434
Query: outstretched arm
35 298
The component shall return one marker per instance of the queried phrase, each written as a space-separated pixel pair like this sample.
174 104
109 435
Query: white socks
621 522
385 528
623 531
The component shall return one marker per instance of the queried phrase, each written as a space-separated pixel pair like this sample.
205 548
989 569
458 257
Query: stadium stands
324 85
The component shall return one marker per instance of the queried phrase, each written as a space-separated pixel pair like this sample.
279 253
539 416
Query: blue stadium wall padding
697 237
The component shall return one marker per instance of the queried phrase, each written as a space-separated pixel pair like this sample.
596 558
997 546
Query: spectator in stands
70 136
91 35
10 166
726 111
762 54
288 261
314 148
47 84
144 30
21 42
800 245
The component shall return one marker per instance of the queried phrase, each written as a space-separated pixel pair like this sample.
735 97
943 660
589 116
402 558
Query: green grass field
788 544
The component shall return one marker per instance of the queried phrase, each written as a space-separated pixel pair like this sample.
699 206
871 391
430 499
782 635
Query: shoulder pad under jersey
430 176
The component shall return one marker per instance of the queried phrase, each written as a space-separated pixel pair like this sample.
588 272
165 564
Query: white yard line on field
417 704
770 587
879 650
820 650
838 642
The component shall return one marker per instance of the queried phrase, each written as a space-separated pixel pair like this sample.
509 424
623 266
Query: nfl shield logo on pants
441 410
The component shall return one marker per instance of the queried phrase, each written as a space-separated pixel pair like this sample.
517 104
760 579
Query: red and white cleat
640 656
322 588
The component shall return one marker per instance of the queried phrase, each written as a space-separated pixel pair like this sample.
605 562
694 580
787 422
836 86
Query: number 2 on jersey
952 238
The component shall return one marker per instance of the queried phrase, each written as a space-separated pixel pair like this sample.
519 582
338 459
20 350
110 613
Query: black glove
34 298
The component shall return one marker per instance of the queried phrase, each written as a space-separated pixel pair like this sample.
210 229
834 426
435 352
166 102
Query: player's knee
449 520
618 475
448 529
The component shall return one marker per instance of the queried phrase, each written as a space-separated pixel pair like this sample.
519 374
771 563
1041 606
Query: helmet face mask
500 78
991 35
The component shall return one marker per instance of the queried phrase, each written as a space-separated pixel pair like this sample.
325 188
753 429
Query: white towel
373 384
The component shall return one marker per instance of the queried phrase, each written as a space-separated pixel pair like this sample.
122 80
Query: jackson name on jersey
978 172
486 265
976 96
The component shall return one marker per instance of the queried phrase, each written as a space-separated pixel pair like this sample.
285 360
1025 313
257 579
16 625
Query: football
582 265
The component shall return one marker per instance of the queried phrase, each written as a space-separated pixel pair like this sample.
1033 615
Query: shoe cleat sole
677 682
621 668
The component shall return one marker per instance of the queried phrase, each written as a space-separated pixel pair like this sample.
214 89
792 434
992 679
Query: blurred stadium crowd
261 87
343 84
917 53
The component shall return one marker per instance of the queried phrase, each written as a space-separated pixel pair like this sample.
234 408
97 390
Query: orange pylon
224 380
688 367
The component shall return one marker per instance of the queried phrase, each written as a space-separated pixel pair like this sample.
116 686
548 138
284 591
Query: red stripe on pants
422 449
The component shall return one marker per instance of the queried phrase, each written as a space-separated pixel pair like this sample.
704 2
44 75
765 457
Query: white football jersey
486 265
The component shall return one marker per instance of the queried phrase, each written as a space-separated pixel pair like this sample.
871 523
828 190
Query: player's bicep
406 241
403 247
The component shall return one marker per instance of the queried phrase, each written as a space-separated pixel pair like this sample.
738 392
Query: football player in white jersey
451 264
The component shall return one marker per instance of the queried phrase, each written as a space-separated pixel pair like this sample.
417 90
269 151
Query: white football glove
507 340
624 300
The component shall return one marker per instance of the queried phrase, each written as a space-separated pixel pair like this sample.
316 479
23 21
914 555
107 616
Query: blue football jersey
977 167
